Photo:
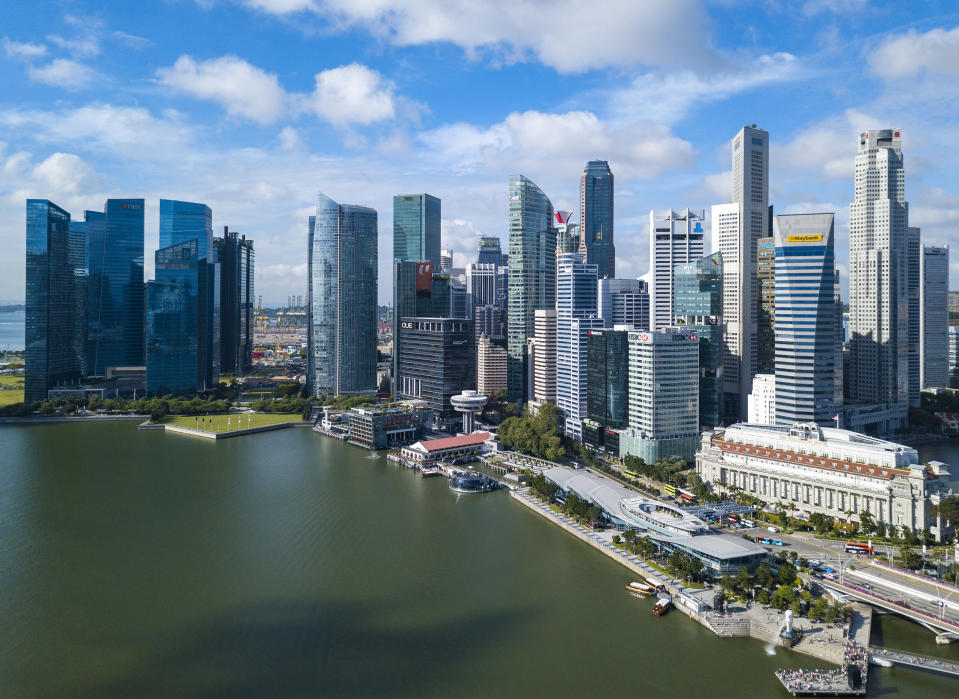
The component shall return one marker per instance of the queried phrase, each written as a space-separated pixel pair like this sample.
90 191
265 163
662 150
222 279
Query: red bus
858 548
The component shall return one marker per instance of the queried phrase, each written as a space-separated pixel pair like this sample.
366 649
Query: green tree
818 608
764 576
796 607
783 597
727 584
787 574
744 581
867 523
763 596
821 522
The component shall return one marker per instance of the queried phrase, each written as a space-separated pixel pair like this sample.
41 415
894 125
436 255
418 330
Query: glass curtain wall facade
807 346
596 218
766 321
607 388
55 326
412 296
532 273
416 228
913 274
234 255
342 249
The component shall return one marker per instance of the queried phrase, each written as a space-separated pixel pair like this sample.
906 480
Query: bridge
887 657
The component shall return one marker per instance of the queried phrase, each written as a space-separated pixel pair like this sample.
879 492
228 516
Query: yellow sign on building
804 238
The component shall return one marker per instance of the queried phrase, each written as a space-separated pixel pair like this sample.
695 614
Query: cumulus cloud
64 173
239 87
63 73
23 50
79 47
825 150
905 55
352 93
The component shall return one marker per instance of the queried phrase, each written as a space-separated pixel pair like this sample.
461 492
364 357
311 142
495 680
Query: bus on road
769 542
858 548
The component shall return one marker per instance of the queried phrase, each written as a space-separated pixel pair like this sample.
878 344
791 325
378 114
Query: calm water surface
11 330
287 564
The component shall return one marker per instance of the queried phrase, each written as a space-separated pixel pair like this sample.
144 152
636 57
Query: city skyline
77 125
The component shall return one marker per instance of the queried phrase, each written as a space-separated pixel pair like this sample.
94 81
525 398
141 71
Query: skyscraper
739 334
115 299
766 321
543 389
490 366
567 234
446 261
623 302
675 238
55 321
412 296
808 349
488 252
878 302
914 258
416 228
532 272
234 254
480 285
934 317
607 388
575 317
596 217
341 352
697 308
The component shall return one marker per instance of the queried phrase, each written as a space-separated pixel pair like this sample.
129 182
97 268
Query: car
829 576
815 562
939 603
772 529
867 586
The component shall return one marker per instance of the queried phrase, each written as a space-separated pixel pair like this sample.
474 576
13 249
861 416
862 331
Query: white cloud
905 55
80 47
569 35
815 7
65 173
289 139
352 93
242 89
23 50
131 40
63 73
825 150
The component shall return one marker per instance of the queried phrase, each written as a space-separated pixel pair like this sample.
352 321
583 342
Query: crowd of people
813 680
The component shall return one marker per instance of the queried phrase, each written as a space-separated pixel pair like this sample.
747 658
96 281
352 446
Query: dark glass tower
416 228
766 321
412 296
596 218
607 388
55 325
115 307
342 246
234 255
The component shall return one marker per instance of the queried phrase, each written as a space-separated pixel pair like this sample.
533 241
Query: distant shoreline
13 308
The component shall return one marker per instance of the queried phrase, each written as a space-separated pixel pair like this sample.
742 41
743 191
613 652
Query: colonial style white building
828 470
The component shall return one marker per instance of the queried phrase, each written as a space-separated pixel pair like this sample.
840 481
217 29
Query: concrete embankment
189 431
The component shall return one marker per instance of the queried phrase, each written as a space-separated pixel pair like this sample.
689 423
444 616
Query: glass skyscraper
532 273
342 247
607 388
56 278
416 228
115 331
412 296
596 218
234 255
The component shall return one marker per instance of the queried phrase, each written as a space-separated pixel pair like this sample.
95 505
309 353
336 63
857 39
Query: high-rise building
341 352
766 320
532 272
567 234
480 285
412 297
934 317
596 218
739 310
808 348
543 389
442 296
663 395
489 320
446 261
234 254
623 302
490 366
416 228
913 275
675 238
94 230
953 308
762 400
181 222
56 295
488 252
607 388
697 308
575 317
878 300
437 363
952 338
115 299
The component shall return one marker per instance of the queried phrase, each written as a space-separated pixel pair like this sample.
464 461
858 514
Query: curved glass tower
596 218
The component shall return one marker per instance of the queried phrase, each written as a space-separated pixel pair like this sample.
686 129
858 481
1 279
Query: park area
11 389
231 422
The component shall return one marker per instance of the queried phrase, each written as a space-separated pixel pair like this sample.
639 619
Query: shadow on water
310 649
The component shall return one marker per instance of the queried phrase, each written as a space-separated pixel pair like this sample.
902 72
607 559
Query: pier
886 657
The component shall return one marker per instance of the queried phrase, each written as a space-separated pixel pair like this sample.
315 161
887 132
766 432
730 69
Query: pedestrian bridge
887 657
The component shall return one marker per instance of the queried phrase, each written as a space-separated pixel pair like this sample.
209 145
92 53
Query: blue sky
253 106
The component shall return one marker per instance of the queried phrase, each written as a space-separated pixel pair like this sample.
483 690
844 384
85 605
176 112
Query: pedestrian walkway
884 656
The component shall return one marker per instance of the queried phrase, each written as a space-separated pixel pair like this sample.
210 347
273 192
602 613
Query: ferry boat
654 583
639 588
662 606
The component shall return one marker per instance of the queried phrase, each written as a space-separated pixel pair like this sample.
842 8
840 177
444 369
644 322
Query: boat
654 583
662 606
639 588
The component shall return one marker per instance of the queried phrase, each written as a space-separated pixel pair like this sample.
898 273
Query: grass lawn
221 424
11 381
11 397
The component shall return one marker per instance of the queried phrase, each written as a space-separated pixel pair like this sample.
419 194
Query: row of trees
537 435
666 470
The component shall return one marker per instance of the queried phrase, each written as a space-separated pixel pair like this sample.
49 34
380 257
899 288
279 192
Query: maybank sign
804 238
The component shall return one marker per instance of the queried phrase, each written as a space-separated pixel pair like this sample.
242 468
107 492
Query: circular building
470 404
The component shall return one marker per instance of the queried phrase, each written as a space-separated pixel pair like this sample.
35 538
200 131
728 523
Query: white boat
639 588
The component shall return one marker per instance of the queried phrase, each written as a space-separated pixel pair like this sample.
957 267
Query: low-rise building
429 451
374 428
831 471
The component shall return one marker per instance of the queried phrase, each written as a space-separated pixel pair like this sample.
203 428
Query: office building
697 308
532 272
446 262
490 366
416 228
575 317
766 319
934 317
459 300
596 218
115 299
623 302
491 321
663 395
234 255
341 312
808 348
480 285
828 471
56 295
952 338
488 252
437 363
762 400
607 388
675 238
543 387
375 428
953 308
913 276
878 218
567 234
412 296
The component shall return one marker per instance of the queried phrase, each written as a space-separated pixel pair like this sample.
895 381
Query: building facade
623 302
234 255
607 388
914 259
827 470
934 317
416 228
480 285
544 358
596 218
766 318
488 252
341 339
373 428
675 237
490 366
762 400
